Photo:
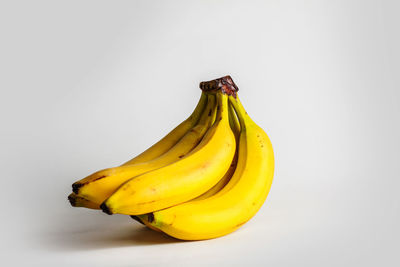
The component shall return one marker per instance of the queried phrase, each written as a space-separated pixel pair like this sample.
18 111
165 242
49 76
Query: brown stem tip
225 84
72 200
105 209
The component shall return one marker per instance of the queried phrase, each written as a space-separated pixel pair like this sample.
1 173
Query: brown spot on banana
150 217
75 187
240 224
98 178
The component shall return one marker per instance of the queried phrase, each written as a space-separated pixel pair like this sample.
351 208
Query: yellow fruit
172 137
237 202
183 180
100 185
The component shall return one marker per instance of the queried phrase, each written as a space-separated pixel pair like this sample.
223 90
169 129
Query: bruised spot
239 224
209 113
147 202
173 219
205 165
126 188
181 156
194 130
98 178
153 189
254 203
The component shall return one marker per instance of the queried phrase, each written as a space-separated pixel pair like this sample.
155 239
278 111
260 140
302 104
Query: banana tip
75 188
72 200
136 218
105 209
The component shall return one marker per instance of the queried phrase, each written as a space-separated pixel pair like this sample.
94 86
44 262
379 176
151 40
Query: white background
87 85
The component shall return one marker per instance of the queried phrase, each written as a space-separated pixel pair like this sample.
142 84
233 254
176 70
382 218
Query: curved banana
100 185
235 126
221 183
77 201
172 137
183 180
237 202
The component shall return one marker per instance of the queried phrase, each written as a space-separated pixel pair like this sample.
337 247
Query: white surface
88 84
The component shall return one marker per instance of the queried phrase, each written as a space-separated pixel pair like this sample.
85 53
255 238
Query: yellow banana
158 148
183 180
173 137
237 202
77 201
100 185
235 126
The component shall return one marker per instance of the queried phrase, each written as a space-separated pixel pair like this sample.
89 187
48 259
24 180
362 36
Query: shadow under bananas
124 232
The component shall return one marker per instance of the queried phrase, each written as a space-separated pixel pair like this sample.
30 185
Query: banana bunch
203 180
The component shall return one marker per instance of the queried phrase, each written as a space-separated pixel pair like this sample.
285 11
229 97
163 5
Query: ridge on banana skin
99 186
236 203
183 180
